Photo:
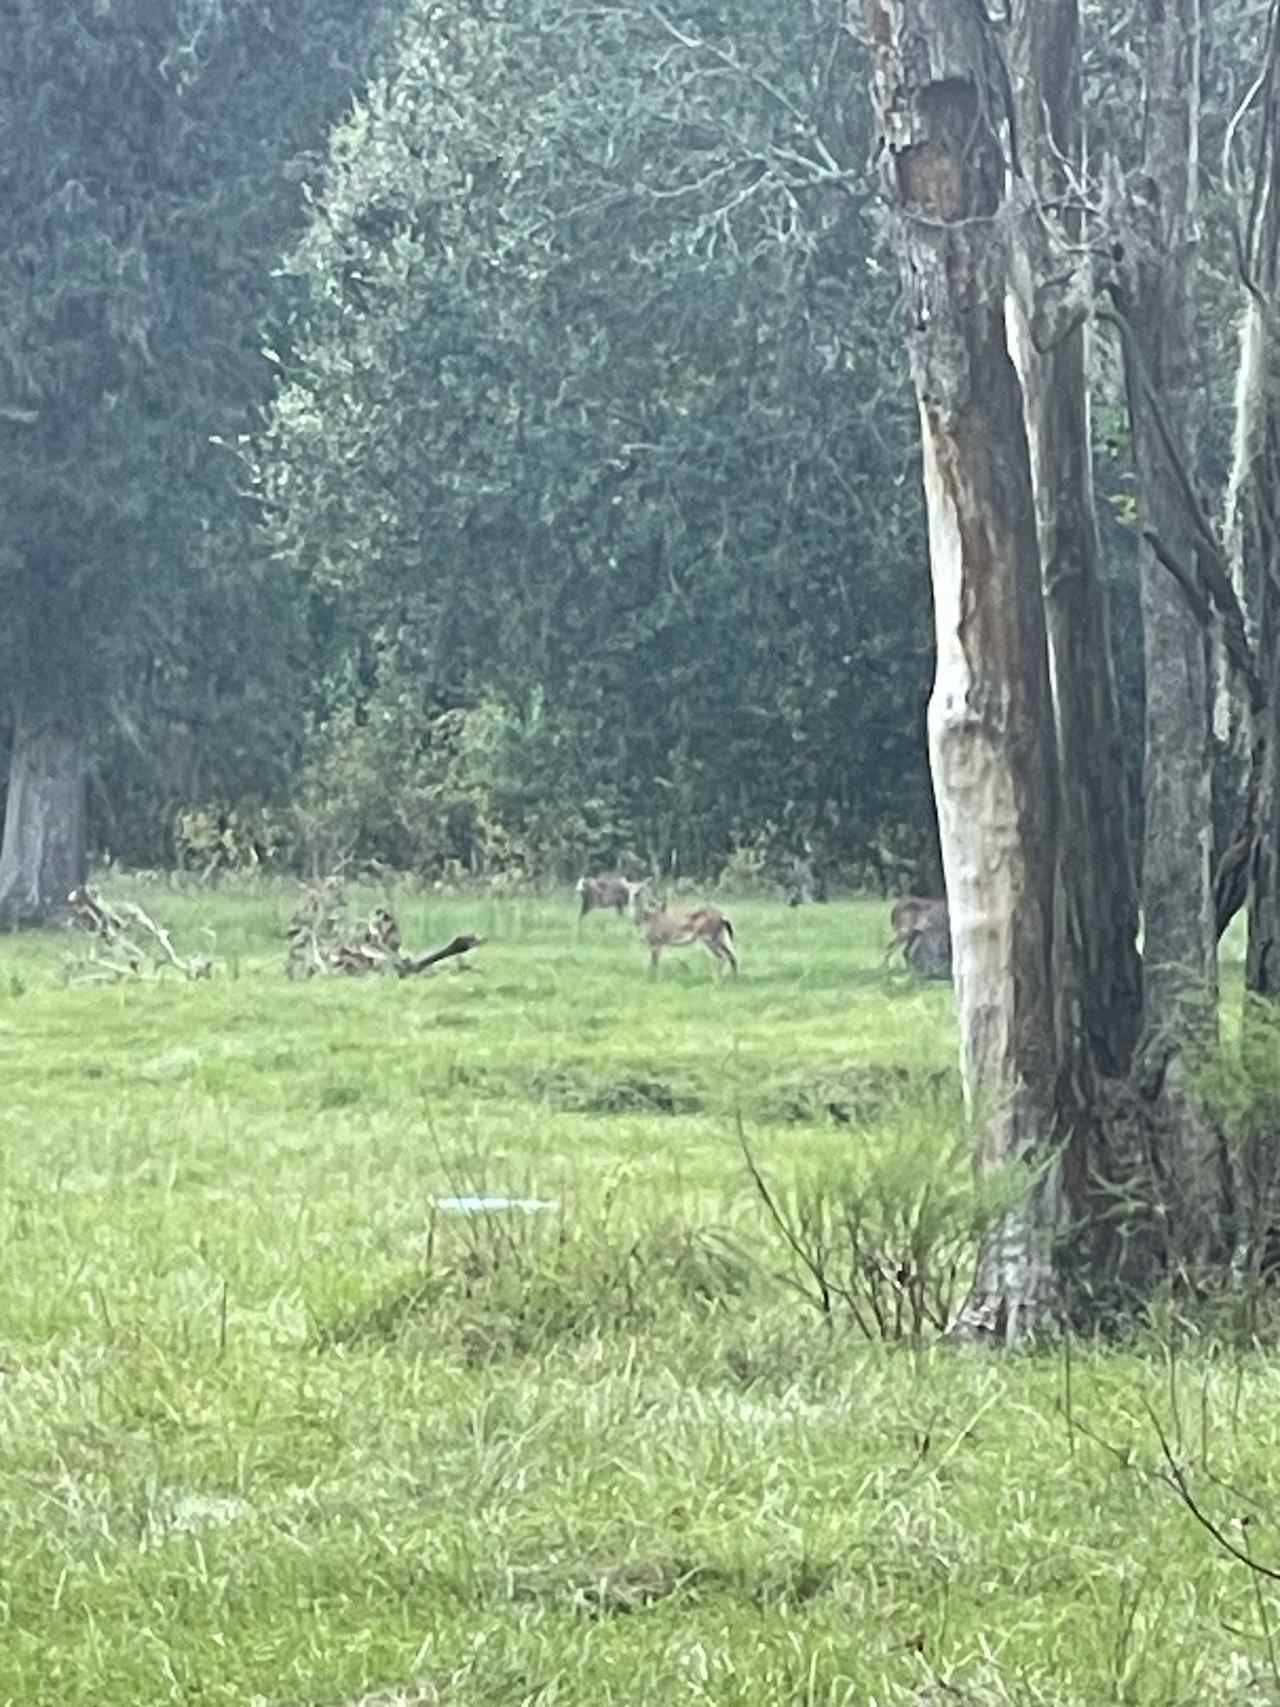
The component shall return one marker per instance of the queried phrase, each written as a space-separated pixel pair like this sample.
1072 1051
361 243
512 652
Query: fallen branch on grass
318 945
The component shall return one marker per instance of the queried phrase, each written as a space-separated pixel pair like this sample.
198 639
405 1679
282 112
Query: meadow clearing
274 1431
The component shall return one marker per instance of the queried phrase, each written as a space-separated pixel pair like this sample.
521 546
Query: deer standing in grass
671 927
922 931
606 889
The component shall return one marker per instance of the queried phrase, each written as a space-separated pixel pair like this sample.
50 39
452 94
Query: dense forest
478 438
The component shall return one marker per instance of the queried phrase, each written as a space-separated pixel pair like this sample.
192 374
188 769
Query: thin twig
1174 1478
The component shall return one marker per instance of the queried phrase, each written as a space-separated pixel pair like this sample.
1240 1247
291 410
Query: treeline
470 437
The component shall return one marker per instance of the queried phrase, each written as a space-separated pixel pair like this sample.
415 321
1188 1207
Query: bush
487 790
888 1245
214 839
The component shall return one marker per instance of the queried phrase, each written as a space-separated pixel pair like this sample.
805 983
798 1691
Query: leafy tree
594 407
149 159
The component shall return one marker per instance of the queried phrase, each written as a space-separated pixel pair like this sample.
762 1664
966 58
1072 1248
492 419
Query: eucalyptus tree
975 160
150 158
939 98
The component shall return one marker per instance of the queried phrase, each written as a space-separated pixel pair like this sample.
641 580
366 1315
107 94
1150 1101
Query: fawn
667 927
922 931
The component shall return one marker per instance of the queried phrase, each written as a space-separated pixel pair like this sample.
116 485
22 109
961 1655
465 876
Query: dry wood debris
320 941
128 943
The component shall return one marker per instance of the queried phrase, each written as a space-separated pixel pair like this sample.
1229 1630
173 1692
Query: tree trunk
1253 546
938 92
44 853
1253 506
1179 934
1098 973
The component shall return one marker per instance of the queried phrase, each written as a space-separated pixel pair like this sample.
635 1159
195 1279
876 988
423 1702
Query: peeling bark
940 97
44 856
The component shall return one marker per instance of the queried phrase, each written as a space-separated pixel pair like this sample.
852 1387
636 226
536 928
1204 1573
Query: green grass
271 1431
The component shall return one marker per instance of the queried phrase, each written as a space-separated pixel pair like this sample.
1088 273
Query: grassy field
274 1430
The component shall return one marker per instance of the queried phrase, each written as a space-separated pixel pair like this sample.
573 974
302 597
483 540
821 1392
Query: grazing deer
666 927
922 931
606 889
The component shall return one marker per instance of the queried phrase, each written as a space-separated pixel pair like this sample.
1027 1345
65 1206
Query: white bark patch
979 822
1250 413
1230 720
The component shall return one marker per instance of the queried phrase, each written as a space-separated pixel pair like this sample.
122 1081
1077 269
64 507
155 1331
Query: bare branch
822 1303
1173 1477
1212 564
123 956
1233 635
1199 520
830 166
1244 234
408 965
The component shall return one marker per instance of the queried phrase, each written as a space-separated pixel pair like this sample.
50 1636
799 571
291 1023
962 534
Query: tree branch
1173 1477
1212 560
1199 520
1233 635
1244 230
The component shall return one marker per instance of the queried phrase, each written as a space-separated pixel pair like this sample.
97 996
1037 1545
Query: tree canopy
476 433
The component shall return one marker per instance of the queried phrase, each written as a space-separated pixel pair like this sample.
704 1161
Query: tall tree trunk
1253 507
938 91
1180 936
1253 547
1098 972
43 856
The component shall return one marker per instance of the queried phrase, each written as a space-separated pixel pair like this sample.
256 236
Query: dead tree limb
121 954
409 966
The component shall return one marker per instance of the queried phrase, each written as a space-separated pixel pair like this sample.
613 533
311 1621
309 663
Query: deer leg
725 955
720 951
901 945
910 944
897 944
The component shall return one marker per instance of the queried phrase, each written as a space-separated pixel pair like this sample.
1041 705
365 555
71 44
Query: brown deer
606 889
667 927
921 928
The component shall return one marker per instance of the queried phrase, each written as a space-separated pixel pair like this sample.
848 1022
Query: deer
921 928
667 927
606 889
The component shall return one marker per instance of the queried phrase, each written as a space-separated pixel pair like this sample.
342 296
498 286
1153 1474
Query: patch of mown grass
275 1429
